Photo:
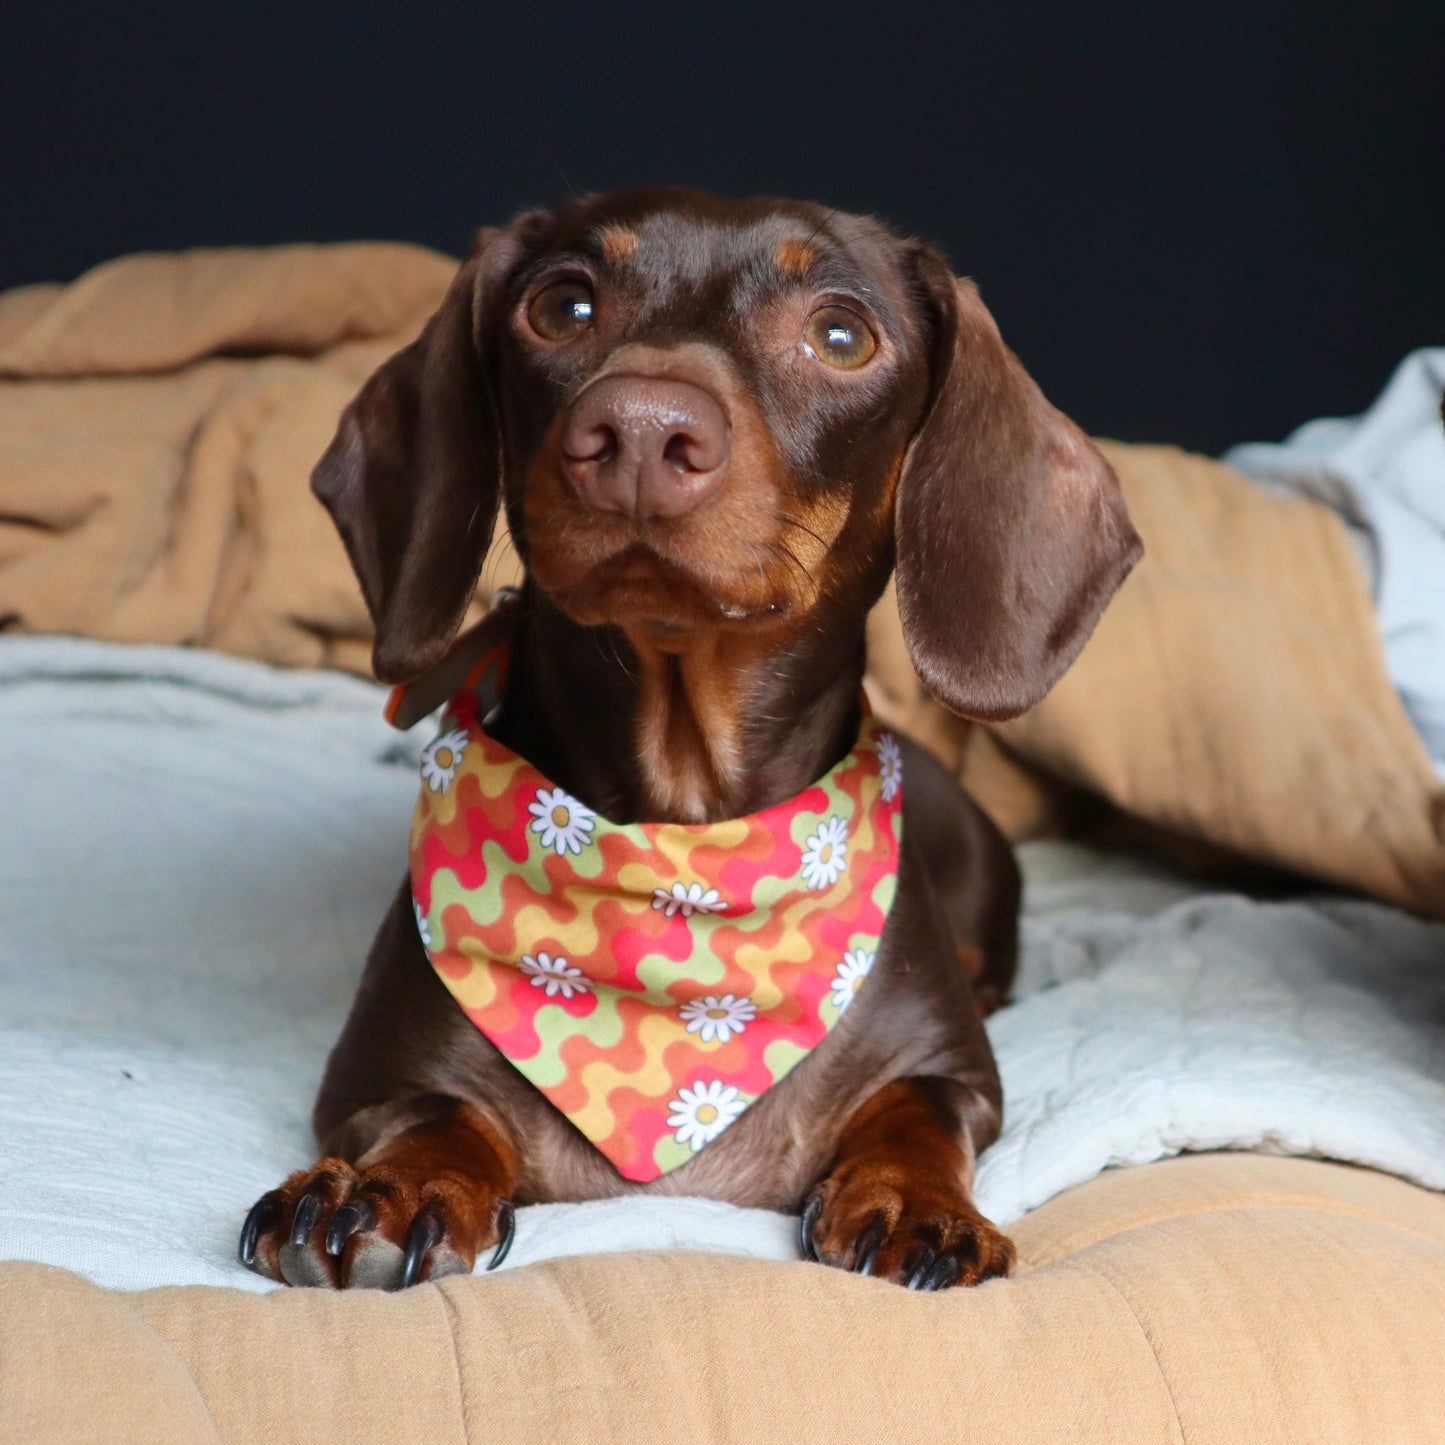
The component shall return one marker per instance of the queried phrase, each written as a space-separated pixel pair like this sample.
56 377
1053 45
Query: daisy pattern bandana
652 980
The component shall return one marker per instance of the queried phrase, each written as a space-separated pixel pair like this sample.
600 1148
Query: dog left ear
412 478
1011 528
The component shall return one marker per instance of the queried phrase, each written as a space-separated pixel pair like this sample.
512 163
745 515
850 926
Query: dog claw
507 1227
943 1275
426 1233
920 1266
262 1217
806 1226
867 1246
308 1211
353 1217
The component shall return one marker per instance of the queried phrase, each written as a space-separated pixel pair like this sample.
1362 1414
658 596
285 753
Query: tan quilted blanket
1219 1299
159 418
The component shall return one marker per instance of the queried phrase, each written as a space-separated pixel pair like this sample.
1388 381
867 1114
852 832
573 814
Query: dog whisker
813 234
788 520
781 549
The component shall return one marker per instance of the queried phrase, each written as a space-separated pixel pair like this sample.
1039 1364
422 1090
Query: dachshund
716 428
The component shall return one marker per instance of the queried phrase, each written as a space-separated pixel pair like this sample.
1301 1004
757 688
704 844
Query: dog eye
840 337
562 310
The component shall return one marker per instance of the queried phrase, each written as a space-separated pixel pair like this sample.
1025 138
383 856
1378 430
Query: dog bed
193 854
195 849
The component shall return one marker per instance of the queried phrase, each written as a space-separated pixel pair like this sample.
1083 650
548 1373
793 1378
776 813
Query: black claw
308 1211
808 1224
353 1216
426 1233
867 1246
943 1275
920 1264
507 1228
262 1216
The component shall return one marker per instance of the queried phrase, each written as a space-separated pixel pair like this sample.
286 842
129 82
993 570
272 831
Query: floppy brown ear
1012 531
412 479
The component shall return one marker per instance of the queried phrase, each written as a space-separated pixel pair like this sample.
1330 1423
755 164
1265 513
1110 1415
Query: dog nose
645 446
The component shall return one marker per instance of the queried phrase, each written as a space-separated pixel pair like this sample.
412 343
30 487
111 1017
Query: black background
1198 226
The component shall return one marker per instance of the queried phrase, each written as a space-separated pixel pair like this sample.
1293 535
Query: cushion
1210 1298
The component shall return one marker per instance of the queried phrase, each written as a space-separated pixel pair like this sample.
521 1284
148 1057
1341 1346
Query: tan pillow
1235 691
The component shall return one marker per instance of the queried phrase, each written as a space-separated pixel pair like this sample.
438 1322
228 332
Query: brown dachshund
716 427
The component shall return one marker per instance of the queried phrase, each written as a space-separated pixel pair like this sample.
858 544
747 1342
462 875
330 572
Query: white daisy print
555 975
890 760
849 975
700 1114
439 761
423 928
687 899
825 854
717 1017
563 824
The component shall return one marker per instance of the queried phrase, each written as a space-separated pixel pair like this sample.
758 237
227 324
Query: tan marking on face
618 244
895 472
824 518
794 257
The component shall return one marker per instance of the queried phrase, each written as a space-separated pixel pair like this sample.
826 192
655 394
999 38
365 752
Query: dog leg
898 1201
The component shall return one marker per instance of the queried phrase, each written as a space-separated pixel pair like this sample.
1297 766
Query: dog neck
726 725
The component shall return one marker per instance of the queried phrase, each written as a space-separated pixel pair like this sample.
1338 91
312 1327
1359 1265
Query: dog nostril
695 447
597 444
680 452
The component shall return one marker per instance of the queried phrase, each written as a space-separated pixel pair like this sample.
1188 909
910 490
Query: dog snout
646 447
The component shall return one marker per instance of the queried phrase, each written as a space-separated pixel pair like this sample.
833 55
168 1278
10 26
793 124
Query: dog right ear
1012 529
413 477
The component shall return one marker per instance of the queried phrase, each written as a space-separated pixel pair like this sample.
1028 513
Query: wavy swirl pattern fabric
652 980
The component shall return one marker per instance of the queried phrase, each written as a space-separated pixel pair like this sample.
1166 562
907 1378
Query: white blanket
194 853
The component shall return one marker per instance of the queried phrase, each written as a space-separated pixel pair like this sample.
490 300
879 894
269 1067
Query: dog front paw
338 1227
925 1235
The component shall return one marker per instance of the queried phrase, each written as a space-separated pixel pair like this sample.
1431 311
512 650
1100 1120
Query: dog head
704 414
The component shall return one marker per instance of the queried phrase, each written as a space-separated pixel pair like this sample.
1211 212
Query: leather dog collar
652 980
